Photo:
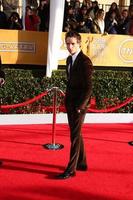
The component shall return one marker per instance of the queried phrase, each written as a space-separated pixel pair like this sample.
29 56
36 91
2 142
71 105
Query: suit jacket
79 85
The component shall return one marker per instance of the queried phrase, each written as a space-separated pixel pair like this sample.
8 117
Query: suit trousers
77 150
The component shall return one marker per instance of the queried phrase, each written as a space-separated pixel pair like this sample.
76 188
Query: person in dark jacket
3 20
78 92
15 22
43 12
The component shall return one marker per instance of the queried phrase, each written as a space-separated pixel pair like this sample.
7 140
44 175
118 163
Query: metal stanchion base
130 143
53 146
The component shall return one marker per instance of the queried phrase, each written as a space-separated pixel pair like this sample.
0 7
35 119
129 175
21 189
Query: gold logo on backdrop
126 50
96 46
25 47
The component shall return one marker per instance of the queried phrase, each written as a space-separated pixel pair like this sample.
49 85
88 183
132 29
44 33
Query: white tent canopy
23 13
55 31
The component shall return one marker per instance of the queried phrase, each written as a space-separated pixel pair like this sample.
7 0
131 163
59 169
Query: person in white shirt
98 23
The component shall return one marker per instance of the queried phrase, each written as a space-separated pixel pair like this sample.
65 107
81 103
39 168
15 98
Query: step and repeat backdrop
30 47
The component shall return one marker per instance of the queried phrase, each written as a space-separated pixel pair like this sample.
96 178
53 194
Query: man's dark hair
73 34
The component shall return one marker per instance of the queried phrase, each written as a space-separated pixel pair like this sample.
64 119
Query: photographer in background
14 22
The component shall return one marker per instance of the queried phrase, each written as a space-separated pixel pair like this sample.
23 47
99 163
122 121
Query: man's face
125 14
73 45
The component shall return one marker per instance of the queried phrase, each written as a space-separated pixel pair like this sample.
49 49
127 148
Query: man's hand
78 111
81 110
2 81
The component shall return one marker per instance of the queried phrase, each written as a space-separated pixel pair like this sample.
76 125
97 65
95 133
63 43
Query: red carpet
28 169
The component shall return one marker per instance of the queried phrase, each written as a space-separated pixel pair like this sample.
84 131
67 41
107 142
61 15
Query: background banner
107 50
30 47
23 47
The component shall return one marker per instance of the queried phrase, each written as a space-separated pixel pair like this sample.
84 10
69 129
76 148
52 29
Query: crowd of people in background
89 18
85 18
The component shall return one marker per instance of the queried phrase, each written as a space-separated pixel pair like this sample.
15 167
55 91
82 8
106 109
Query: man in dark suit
78 93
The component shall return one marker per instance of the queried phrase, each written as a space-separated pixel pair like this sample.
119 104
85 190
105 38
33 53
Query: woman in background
98 22
32 21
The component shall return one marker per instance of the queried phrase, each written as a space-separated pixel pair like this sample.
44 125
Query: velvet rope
106 110
61 108
25 103
127 101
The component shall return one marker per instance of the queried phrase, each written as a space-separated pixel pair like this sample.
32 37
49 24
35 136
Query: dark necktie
70 64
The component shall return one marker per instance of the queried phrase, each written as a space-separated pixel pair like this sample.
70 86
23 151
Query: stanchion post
130 143
53 145
54 115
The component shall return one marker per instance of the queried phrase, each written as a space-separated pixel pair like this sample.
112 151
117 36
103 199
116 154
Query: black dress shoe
82 168
66 174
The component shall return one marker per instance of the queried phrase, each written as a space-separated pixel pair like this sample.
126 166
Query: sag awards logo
17 47
126 50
